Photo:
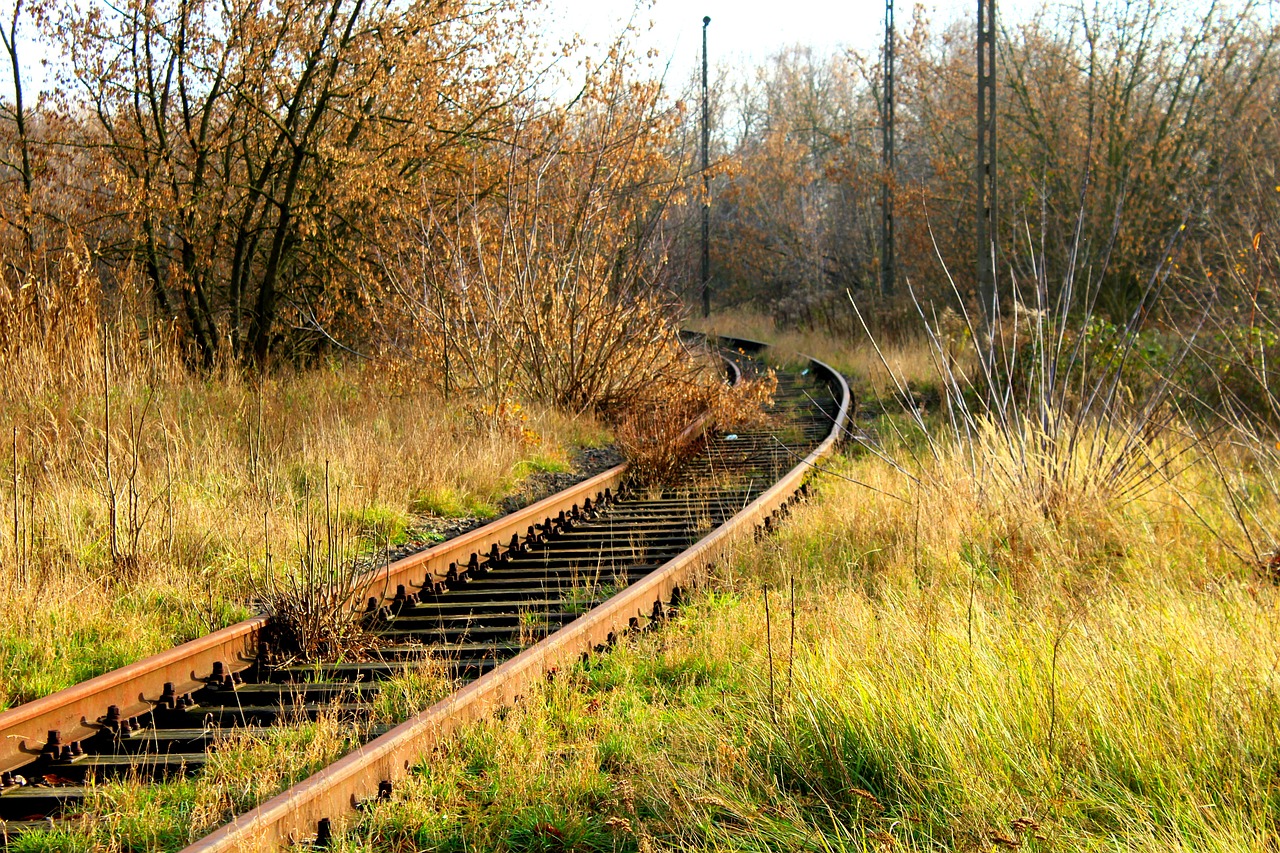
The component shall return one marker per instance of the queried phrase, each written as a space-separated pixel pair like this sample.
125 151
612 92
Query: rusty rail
327 799
78 712
75 712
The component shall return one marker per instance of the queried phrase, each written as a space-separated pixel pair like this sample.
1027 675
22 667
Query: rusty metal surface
76 710
332 793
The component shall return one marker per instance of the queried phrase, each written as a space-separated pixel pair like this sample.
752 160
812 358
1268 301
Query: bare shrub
547 276
312 604
654 428
1234 380
1060 410
654 434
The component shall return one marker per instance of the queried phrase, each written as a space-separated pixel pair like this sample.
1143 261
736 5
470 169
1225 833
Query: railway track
493 610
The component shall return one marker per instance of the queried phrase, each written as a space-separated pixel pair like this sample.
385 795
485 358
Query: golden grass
967 674
204 472
910 360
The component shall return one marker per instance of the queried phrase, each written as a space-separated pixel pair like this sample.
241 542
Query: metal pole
706 189
887 272
986 165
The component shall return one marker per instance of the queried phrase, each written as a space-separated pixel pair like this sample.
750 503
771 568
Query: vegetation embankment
908 664
941 665
1048 623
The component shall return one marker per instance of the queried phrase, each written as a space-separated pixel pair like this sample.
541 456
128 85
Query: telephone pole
887 271
706 189
986 165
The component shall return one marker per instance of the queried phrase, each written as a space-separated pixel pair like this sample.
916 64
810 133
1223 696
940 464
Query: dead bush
312 606
657 430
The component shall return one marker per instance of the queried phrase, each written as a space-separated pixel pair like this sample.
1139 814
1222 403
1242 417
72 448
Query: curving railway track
496 609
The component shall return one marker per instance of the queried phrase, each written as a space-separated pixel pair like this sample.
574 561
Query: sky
742 33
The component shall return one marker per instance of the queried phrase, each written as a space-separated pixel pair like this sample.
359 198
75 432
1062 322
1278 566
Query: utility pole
706 189
887 271
986 165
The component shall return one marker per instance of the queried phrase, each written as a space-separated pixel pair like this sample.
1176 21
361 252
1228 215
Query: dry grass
652 430
124 536
910 359
967 674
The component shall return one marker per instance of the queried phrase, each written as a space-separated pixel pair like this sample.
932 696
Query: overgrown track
497 608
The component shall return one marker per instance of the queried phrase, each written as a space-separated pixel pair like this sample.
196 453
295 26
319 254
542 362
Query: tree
258 148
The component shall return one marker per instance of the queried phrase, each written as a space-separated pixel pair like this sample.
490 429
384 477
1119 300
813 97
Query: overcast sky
745 32
742 32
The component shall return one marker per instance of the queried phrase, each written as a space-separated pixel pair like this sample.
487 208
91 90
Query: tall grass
1025 616
957 681
135 491
1058 406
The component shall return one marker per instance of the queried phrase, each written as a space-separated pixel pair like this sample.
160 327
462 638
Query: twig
16 549
791 654
768 633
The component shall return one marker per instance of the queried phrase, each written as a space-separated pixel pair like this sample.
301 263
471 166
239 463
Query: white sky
742 33
745 32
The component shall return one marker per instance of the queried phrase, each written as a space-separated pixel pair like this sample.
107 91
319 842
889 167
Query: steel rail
326 800
73 713
77 712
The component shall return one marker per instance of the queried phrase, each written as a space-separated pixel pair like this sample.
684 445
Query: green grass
409 693
960 680
52 841
582 597
379 524
973 682
541 465
449 502
969 673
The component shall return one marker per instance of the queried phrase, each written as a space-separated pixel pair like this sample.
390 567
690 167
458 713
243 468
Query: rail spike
324 834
